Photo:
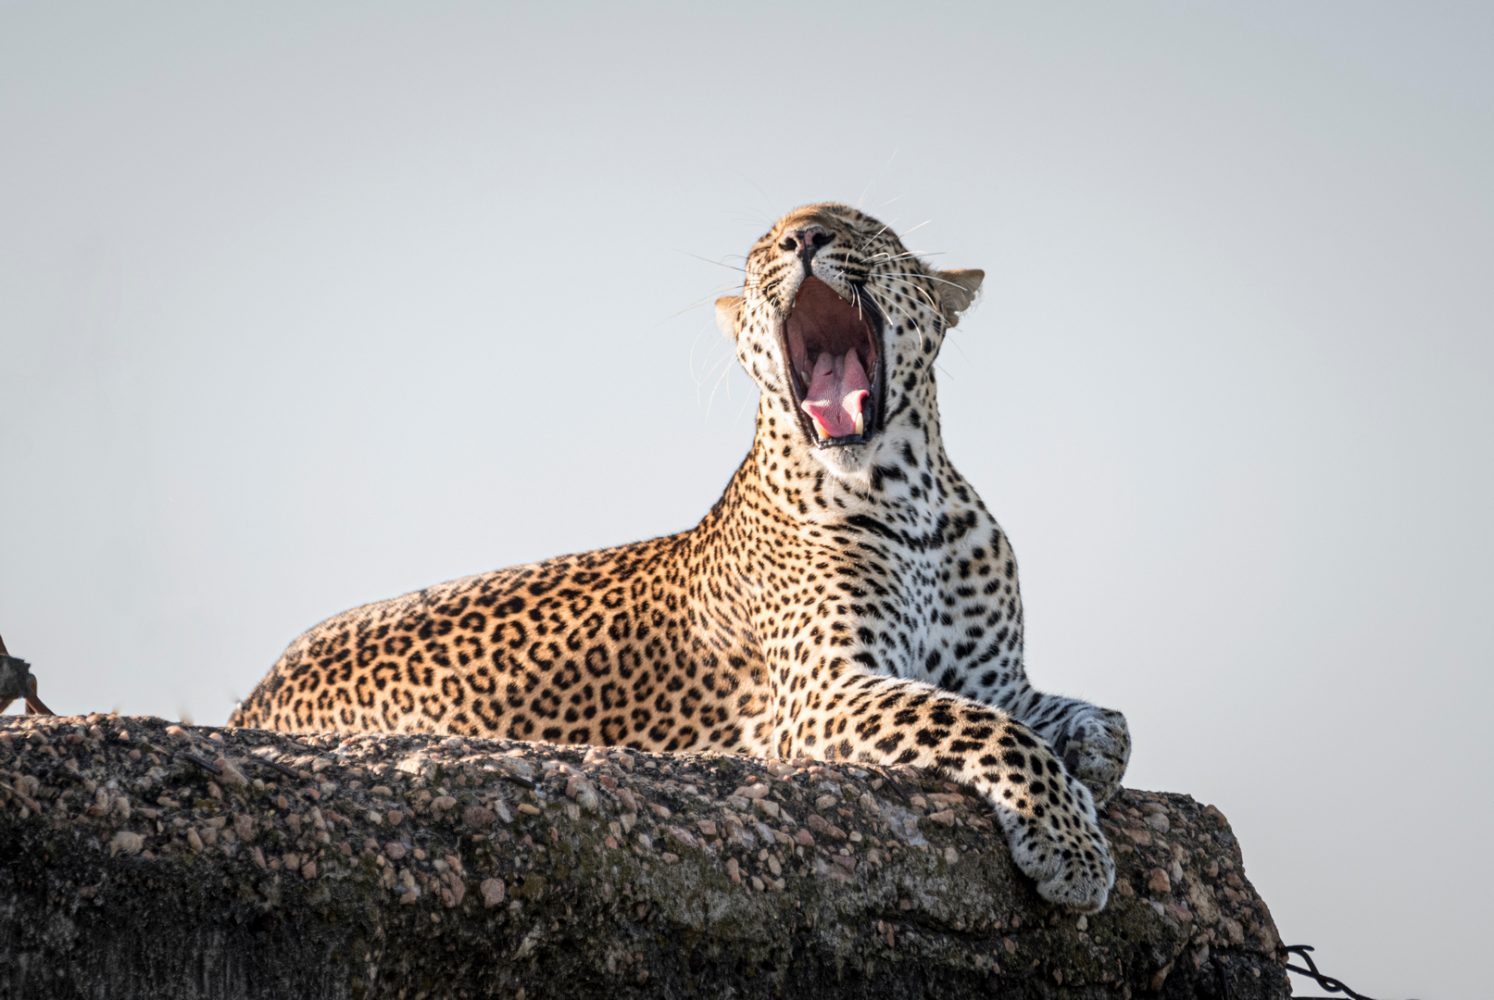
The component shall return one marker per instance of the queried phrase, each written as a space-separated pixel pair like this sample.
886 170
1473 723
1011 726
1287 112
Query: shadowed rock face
148 859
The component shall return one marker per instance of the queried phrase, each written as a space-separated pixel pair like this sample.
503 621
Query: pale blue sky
307 305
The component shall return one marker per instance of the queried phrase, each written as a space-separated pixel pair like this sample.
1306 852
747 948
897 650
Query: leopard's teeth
820 430
861 423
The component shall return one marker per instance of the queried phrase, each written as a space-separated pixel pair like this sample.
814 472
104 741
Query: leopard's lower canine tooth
861 423
820 430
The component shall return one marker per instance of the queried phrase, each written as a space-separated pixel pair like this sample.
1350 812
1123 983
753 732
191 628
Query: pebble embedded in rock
126 842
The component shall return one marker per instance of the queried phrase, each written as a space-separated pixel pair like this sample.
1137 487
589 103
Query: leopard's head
839 325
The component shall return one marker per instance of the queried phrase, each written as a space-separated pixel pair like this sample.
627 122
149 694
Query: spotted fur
853 602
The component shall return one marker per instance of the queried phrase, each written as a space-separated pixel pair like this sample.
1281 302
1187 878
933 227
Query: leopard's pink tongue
837 392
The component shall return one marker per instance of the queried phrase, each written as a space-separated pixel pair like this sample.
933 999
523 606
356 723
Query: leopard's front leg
1047 815
1094 743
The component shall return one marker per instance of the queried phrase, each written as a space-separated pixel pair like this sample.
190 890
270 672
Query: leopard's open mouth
834 355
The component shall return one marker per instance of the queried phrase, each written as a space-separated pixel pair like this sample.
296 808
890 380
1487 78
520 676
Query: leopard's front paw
1095 748
1062 849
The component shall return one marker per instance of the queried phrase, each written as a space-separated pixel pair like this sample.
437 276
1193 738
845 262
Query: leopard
848 598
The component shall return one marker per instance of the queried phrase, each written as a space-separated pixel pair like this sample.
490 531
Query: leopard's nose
805 241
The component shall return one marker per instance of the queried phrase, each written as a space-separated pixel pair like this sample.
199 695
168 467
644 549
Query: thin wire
1327 982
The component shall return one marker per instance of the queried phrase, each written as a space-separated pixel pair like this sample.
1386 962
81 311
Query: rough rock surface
143 858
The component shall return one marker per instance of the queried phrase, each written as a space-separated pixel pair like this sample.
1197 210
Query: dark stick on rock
17 681
417 866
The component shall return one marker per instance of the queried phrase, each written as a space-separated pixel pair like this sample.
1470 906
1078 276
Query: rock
594 874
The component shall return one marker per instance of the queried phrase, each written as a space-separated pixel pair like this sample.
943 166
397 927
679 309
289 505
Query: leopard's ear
956 290
729 314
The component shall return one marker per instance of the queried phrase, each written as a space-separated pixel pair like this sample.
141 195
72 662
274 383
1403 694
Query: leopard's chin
833 351
846 461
